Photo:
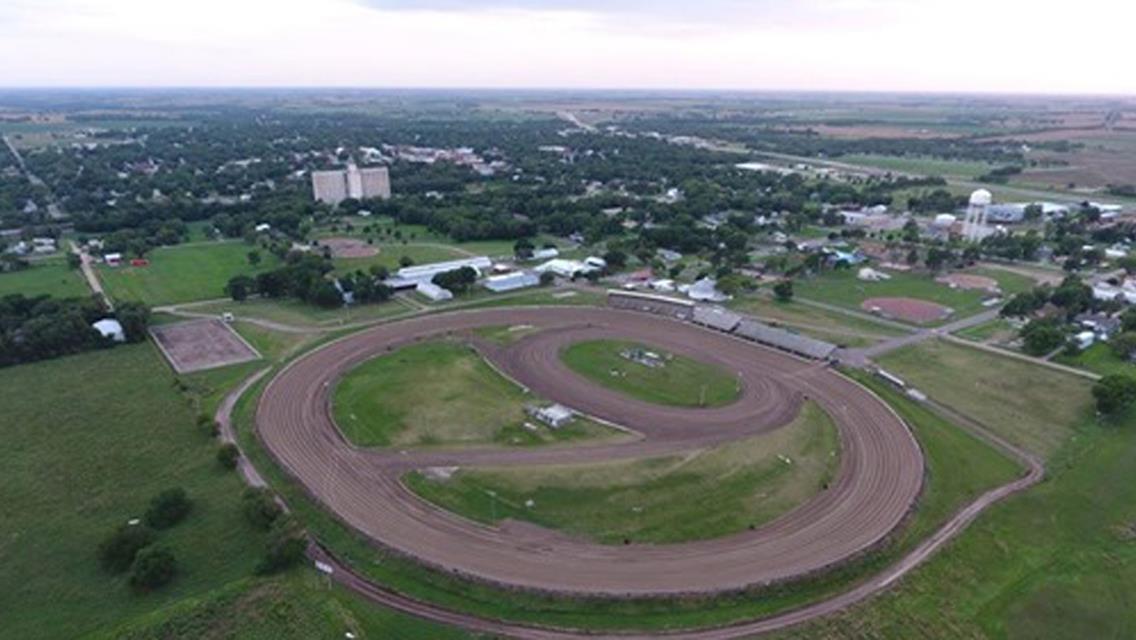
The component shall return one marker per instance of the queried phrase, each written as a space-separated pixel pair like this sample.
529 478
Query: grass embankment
947 491
676 380
438 393
53 278
1031 406
184 273
994 330
1100 359
702 495
844 289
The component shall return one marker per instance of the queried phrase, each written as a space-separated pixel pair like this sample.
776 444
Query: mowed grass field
819 323
184 273
843 288
1034 407
1100 359
438 393
946 491
53 278
680 381
705 494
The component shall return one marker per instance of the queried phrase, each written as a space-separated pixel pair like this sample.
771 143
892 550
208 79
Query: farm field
678 381
1034 407
843 288
117 433
53 278
702 495
184 273
438 393
946 490
920 165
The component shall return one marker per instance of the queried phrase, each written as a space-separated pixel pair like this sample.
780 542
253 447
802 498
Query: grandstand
648 303
716 318
782 339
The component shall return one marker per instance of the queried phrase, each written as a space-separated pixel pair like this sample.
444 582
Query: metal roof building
647 303
716 318
782 339
426 272
511 281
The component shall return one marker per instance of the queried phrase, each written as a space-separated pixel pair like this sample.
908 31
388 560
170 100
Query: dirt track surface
880 476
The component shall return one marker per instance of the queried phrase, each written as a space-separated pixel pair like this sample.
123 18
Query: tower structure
974 228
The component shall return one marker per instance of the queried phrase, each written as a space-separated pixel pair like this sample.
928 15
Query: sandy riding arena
349 248
907 309
201 344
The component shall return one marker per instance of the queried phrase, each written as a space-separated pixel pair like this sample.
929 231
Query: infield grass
701 495
676 380
437 393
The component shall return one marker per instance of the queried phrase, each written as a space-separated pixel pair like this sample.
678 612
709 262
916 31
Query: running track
879 479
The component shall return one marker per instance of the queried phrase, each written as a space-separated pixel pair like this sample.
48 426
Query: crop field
439 393
677 380
921 165
1032 406
183 273
705 494
843 288
53 278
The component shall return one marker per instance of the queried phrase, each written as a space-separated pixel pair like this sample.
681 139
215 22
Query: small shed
433 292
110 328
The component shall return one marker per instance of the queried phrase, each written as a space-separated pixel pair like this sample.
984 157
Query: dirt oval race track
879 478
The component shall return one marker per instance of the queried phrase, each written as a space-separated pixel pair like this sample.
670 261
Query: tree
168 508
458 281
1114 392
406 261
116 552
547 278
74 261
153 567
1124 345
135 319
324 294
285 546
254 257
616 260
523 249
936 258
1042 336
260 507
239 287
228 455
783 290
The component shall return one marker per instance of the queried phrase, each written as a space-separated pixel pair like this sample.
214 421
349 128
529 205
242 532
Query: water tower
974 228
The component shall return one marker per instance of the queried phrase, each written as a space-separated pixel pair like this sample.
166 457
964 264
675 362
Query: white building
426 272
555 416
546 254
110 328
433 292
511 282
706 290
333 187
566 268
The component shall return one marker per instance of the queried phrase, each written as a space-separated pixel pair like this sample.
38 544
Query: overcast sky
1037 46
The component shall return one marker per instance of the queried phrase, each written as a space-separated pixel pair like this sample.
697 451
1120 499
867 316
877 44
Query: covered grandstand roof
783 339
716 318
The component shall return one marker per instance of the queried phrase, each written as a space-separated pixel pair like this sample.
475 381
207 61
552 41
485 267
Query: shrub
152 568
1114 392
168 508
228 455
260 507
117 552
285 547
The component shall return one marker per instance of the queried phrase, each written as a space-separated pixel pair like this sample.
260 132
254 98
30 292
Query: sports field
698 496
183 273
53 278
438 393
674 380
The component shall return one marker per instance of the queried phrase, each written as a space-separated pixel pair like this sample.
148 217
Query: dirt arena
907 309
198 345
880 476
349 248
969 281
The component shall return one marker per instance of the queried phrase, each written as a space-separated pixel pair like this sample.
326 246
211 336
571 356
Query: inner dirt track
879 478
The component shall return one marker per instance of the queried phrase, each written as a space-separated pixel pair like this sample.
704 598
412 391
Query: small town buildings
113 259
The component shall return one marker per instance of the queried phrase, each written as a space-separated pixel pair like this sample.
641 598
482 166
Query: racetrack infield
878 481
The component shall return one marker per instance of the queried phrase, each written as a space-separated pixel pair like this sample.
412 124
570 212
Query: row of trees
44 327
306 277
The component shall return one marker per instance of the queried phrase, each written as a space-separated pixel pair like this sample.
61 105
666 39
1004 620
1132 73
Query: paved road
880 476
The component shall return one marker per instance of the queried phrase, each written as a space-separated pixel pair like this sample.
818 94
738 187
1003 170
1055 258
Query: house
110 328
433 292
668 256
1102 325
43 245
1084 339
113 259
547 253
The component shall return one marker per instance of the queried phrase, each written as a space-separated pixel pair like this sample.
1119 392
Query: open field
1034 407
996 330
844 289
183 273
701 495
301 314
53 278
920 165
439 393
680 381
945 492
819 323
1099 358
89 440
